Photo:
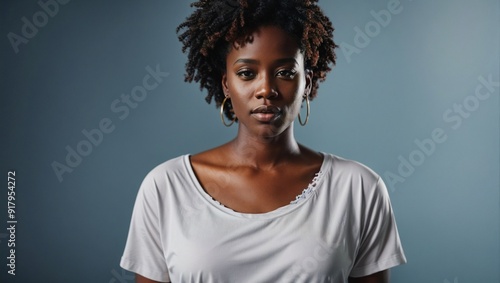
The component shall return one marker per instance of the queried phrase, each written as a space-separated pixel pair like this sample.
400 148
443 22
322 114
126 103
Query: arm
141 279
379 277
143 254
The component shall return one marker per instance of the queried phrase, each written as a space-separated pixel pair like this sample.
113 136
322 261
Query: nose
266 88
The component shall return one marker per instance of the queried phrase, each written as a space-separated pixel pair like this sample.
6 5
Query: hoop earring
308 111
222 113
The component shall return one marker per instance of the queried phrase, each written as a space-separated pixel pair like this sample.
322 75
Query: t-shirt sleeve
380 247
144 249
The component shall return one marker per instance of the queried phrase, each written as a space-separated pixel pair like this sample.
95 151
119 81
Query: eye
245 74
287 74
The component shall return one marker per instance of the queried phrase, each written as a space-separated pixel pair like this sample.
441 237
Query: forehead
266 43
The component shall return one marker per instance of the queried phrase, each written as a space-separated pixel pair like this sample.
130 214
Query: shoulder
170 166
171 172
342 168
354 178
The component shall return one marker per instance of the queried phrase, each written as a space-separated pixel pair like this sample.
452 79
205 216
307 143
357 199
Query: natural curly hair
208 34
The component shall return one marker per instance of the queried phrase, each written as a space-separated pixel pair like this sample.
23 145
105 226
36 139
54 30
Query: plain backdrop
407 98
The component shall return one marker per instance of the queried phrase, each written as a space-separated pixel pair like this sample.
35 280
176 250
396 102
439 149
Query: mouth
266 113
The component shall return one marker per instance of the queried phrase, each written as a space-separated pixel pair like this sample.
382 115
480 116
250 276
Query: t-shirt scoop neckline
304 197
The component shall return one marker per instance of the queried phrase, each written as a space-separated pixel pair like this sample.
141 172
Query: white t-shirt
342 225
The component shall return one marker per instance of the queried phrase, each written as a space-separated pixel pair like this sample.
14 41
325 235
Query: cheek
296 106
237 107
240 90
293 91
296 96
239 95
236 86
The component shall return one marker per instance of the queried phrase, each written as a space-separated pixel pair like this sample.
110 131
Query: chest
251 191
304 247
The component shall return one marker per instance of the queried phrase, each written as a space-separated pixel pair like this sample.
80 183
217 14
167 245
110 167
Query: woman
261 208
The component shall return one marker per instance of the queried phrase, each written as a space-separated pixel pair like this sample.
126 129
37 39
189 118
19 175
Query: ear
309 82
225 89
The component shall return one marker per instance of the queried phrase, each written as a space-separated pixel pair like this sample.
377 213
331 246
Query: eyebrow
253 61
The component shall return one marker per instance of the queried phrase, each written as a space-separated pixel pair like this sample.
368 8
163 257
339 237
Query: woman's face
266 81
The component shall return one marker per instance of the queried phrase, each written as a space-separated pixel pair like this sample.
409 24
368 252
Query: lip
266 113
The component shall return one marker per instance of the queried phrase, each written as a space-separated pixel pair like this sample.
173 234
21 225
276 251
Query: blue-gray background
391 91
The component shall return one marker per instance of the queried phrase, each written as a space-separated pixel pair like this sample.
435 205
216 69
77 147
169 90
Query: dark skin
264 167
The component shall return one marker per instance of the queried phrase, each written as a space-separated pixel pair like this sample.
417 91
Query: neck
264 152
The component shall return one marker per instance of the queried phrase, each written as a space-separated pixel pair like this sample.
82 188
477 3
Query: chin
270 131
